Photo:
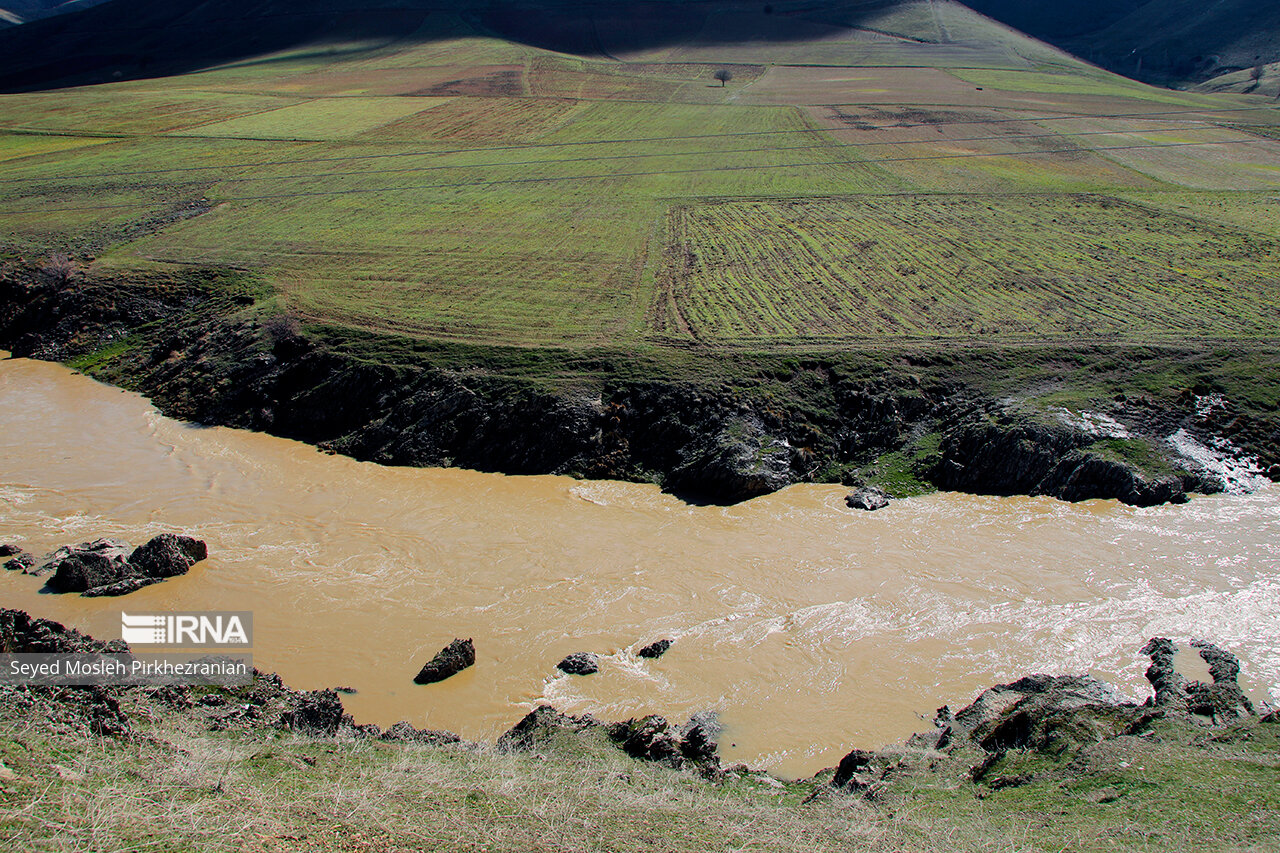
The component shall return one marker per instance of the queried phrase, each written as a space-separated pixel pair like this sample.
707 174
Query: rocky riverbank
1050 760
724 429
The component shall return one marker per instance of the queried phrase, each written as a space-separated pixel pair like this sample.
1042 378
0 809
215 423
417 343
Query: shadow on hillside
133 39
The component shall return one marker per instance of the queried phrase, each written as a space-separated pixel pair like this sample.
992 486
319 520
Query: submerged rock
580 663
656 649
868 498
168 555
448 662
76 568
121 587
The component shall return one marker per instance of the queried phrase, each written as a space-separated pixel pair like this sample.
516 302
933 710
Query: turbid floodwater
808 626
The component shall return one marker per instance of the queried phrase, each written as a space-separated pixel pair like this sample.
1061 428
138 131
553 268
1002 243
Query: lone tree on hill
724 75
1258 71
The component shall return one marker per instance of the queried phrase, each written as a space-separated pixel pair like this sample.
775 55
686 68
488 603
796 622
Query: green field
925 174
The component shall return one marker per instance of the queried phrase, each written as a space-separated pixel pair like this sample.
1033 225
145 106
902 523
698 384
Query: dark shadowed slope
1159 41
128 39
15 12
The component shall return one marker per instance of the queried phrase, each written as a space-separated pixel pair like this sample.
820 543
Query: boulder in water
448 662
656 649
868 498
579 663
77 568
167 555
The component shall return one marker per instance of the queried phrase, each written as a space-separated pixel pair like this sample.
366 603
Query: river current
811 628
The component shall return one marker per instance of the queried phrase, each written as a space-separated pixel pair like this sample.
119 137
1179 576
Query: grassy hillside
203 780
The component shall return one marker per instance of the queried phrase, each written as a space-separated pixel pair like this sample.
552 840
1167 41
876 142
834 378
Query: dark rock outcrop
404 732
699 738
167 555
652 738
579 663
860 771
76 568
1061 718
7 550
448 662
1081 476
1041 712
318 713
92 708
649 738
106 567
868 498
542 727
22 634
1219 702
739 462
1168 683
1009 453
656 649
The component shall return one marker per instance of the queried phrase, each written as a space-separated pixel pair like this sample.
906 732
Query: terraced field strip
15 146
997 267
320 119
131 108
1077 84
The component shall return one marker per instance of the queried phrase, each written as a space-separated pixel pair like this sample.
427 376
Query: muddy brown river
809 627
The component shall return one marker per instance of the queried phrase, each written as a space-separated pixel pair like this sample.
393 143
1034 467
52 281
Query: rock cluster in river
108 567
21 562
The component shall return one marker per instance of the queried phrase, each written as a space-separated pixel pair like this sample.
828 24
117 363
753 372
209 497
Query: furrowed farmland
920 174
940 266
